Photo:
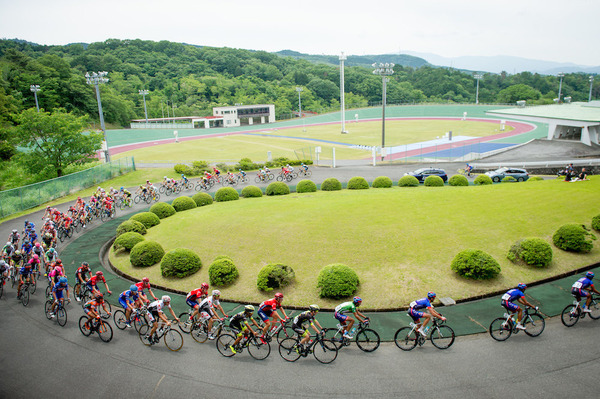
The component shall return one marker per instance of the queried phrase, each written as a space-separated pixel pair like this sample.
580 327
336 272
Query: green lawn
400 241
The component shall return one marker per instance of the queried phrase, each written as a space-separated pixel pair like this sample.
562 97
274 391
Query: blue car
424 173
499 174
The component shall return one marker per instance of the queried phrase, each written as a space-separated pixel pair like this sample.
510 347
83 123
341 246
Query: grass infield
400 241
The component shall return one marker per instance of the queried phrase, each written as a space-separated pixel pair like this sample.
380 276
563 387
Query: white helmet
166 298
216 293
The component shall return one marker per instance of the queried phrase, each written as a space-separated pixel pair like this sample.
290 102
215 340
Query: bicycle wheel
105 331
288 349
500 329
570 315
199 333
48 291
102 312
144 330
139 322
186 323
325 351
1 287
595 308
120 319
285 332
334 335
223 344
173 339
534 324
442 337
259 350
85 330
47 308
77 289
406 338
33 285
137 199
25 295
61 316
367 340
308 173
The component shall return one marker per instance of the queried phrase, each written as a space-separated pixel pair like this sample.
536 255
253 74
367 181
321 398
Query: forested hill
193 79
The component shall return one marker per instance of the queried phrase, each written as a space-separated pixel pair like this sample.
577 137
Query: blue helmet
122 188
133 288
431 295
357 300
522 287
63 280
589 275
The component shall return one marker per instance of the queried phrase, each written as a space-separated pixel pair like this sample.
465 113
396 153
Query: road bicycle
106 214
229 181
61 312
572 313
2 280
86 295
285 177
172 338
200 333
242 178
503 327
103 328
137 318
304 173
258 348
125 203
23 295
441 336
280 329
366 339
322 349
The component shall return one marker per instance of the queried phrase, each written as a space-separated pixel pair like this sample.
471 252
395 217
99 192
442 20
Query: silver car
499 174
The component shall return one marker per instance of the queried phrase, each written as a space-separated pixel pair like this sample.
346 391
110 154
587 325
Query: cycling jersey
82 271
346 307
581 286
16 258
195 294
237 321
59 289
157 306
127 297
39 251
93 281
420 304
141 286
269 305
93 304
207 304
8 249
512 295
302 318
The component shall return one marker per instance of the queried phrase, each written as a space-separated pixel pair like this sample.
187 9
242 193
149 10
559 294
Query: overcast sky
551 30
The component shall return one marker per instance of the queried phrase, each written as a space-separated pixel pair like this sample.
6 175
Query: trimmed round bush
180 262
382 182
277 188
146 253
508 179
251 192
337 281
225 194
408 181
131 225
306 186
475 264
535 178
163 210
574 238
202 199
222 271
482 180
127 240
331 184
148 219
531 251
274 276
596 223
458 180
357 183
433 181
183 203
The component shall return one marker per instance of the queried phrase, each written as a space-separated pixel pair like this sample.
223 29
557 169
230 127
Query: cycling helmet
8 243
85 264
58 262
314 308
146 280
51 250
204 286
133 288
431 295
17 252
63 281
26 222
166 298
522 286
279 295
35 256
2 263
249 309
99 298
216 293
37 244
357 300
24 242
182 175
589 275
99 273
14 231
122 188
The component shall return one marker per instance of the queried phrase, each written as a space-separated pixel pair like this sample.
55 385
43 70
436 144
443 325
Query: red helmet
146 280
279 295
204 286
35 257
37 244
58 261
99 273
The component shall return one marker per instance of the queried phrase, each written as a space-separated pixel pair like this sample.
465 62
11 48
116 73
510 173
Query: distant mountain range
357 60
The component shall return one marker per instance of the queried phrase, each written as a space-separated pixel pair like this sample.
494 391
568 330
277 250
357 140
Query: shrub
509 179
251 192
148 219
274 276
382 182
337 281
331 184
458 180
163 210
532 251
202 199
146 253
408 181
475 264
247 164
185 169
222 271
306 186
357 183
573 237
127 240
131 225
183 203
596 223
535 178
433 181
225 194
277 188
180 262
482 180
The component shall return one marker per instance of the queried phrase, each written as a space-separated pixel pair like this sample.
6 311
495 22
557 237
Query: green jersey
346 307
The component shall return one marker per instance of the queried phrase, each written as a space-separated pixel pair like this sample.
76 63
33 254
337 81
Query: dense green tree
518 92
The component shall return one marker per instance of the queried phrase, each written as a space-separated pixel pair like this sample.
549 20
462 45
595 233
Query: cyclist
184 179
303 318
48 239
16 259
416 314
129 299
4 268
155 310
14 238
58 292
7 250
142 285
217 172
38 250
35 263
581 289
57 271
194 297
268 309
25 274
92 283
518 294
126 195
51 257
468 170
90 309
81 277
206 310
240 327
346 321
26 248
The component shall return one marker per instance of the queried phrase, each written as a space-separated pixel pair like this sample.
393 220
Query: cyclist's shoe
128 324
586 310
420 330
264 339
78 299
211 336
520 326
232 349
52 315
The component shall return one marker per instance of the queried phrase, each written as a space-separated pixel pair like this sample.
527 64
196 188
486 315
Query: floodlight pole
383 70
477 76
96 79
299 90
143 93
561 76
591 84
342 94
36 88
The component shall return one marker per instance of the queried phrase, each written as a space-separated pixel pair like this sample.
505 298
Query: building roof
243 106
178 118
579 111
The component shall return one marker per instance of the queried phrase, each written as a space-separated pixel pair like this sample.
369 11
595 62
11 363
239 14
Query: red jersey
270 304
195 294
141 286
94 280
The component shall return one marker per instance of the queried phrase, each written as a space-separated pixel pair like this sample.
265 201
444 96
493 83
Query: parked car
499 174
423 173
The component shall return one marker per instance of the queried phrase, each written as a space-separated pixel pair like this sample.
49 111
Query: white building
246 115
179 122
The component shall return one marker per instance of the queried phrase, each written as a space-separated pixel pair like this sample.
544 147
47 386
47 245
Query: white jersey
158 305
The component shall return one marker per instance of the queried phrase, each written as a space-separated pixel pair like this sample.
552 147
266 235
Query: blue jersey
420 304
128 296
513 294
26 248
58 288
583 283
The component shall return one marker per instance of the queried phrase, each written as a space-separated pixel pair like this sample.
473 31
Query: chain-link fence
26 197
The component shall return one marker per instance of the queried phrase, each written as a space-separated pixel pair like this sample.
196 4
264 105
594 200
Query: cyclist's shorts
153 315
59 294
299 330
205 315
88 310
510 306
92 287
264 314
415 314
341 317
124 302
25 272
191 304
236 328
579 293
